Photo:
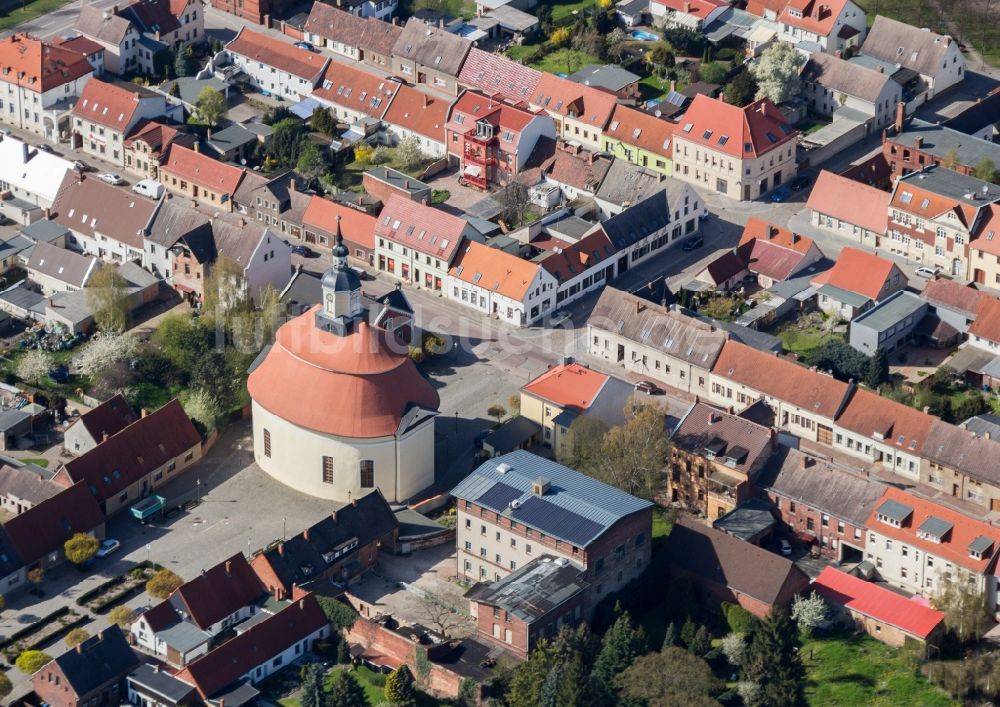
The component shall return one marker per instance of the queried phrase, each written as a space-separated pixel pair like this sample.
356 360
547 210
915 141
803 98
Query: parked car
780 194
43 147
304 251
800 182
108 547
925 271
647 387
111 178
692 243
305 45
786 548
80 166
148 187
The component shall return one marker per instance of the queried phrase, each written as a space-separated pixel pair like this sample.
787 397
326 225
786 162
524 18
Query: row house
353 36
663 344
910 146
856 282
54 269
517 507
189 173
853 210
492 140
428 55
821 503
580 112
108 418
169 24
742 153
324 221
579 267
830 84
277 202
715 458
830 25
961 464
148 145
352 95
91 673
640 138
116 34
805 401
984 250
107 113
919 546
417 244
104 221
955 303
935 214
496 75
276 67
39 83
416 114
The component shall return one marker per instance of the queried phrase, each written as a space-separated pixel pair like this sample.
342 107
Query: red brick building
92 674
382 182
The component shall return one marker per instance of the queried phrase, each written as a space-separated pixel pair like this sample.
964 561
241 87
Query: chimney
839 54
427 100
986 435
771 232
441 23
292 186
807 462
395 21
197 146
763 109
927 409
104 437
712 418
881 69
673 85
918 141
687 7
333 516
305 534
229 567
638 306
281 549
406 184
900 116
79 647
143 412
208 134
796 237
302 604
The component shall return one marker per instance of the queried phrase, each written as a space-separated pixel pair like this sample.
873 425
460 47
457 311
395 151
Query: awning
473 170
728 480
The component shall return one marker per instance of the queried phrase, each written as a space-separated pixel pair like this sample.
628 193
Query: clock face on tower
329 302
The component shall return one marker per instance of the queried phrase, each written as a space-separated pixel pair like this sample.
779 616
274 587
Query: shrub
739 619
76 637
560 36
30 662
340 614
162 584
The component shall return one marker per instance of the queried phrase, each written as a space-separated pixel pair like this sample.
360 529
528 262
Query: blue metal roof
576 508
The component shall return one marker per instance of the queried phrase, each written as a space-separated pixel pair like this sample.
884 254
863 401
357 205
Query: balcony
484 156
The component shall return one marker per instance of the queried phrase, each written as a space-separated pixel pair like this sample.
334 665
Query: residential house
56 269
258 651
984 250
893 324
935 58
24 486
856 282
427 55
960 463
882 613
688 14
805 401
831 26
380 10
377 42
118 36
580 266
170 24
832 85
279 202
92 427
740 152
147 146
339 548
774 254
335 29
129 465
277 67
106 114
935 214
909 146
352 94
492 140
917 544
953 303
611 78
580 112
90 673
726 568
150 685
413 113
89 48
663 344
849 208
189 173
257 11
715 458
382 182
495 74
640 138
417 244
325 220
529 604
516 507
556 398
32 177
823 504
984 332
238 142
104 221
40 82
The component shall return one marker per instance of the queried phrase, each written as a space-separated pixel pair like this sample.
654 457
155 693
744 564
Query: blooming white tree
200 405
734 647
105 350
809 612
33 366
777 73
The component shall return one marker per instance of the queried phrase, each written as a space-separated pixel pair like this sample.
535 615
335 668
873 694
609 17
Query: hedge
32 627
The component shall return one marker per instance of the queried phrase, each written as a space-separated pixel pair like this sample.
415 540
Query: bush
727 54
739 619
30 662
713 72
341 615
162 584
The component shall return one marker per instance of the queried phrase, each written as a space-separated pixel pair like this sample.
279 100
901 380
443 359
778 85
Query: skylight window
925 203
906 198
614 125
687 127
723 139
706 135
772 138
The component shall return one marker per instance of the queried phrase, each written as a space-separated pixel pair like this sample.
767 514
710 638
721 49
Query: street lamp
199 491
148 548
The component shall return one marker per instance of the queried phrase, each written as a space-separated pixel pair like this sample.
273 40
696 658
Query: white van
148 187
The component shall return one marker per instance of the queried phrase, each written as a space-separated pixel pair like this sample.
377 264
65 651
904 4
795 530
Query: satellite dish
243 161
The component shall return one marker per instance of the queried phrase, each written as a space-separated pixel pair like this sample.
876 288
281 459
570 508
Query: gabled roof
108 418
576 508
646 213
899 43
964 450
647 132
335 24
987 322
200 169
112 105
495 270
987 234
551 161
423 228
89 206
771 250
379 36
859 272
496 74
723 559
255 646
568 385
850 201
354 89
843 76
98 660
722 268
745 133
27 482
37 66
696 8
157 136
732 440
609 77
283 56
124 458
818 16
218 592
102 25
878 603
419 112
569 260
175 220
812 391
333 218
67 266
42 529
935 192
81 44
153 16
32 170
961 532
475 106
895 424
950 294
431 46
568 98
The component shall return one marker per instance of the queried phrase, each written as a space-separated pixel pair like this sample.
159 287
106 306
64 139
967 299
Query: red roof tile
945 292
37 66
43 528
759 7
283 56
857 271
220 591
645 131
818 16
772 251
494 270
108 418
850 201
112 105
496 74
419 112
356 226
355 89
697 8
197 168
987 323
746 132
81 44
877 602
334 24
475 106
157 136
423 228
573 258
568 98
570 386
987 235
899 425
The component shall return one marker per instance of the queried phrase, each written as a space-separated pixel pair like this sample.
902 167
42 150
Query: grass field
16 14
562 11
858 670
804 341
371 683
564 61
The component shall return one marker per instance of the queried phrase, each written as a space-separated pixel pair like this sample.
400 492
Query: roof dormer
893 513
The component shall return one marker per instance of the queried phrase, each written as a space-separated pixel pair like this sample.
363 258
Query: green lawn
466 9
44 463
804 341
562 10
858 670
564 61
16 14
371 682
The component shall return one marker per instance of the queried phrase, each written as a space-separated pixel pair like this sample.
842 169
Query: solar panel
558 522
498 497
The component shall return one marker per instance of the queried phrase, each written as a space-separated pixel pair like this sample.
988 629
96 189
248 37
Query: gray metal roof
895 510
939 140
892 311
44 230
747 520
851 298
935 527
980 545
576 508
160 682
512 433
534 590
9 419
611 77
954 185
183 636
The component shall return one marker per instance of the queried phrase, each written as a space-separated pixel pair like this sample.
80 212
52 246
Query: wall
853 233
277 82
802 518
270 265
698 165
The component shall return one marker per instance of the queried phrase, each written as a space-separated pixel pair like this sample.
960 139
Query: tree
408 153
363 154
6 686
36 575
734 647
163 583
560 36
660 59
621 645
211 105
590 41
33 366
497 410
163 64
322 122
670 636
633 455
721 307
107 297
399 686
809 613
30 662
105 350
343 653
225 293
702 642
514 404
312 162
175 90
878 368
671 676
688 630
974 404
75 637
615 44
686 41
313 693
986 170
713 72
346 692
286 141
120 616
526 683
739 619
341 615
773 661
185 63
514 200
966 612
950 159
202 406
80 548
777 73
